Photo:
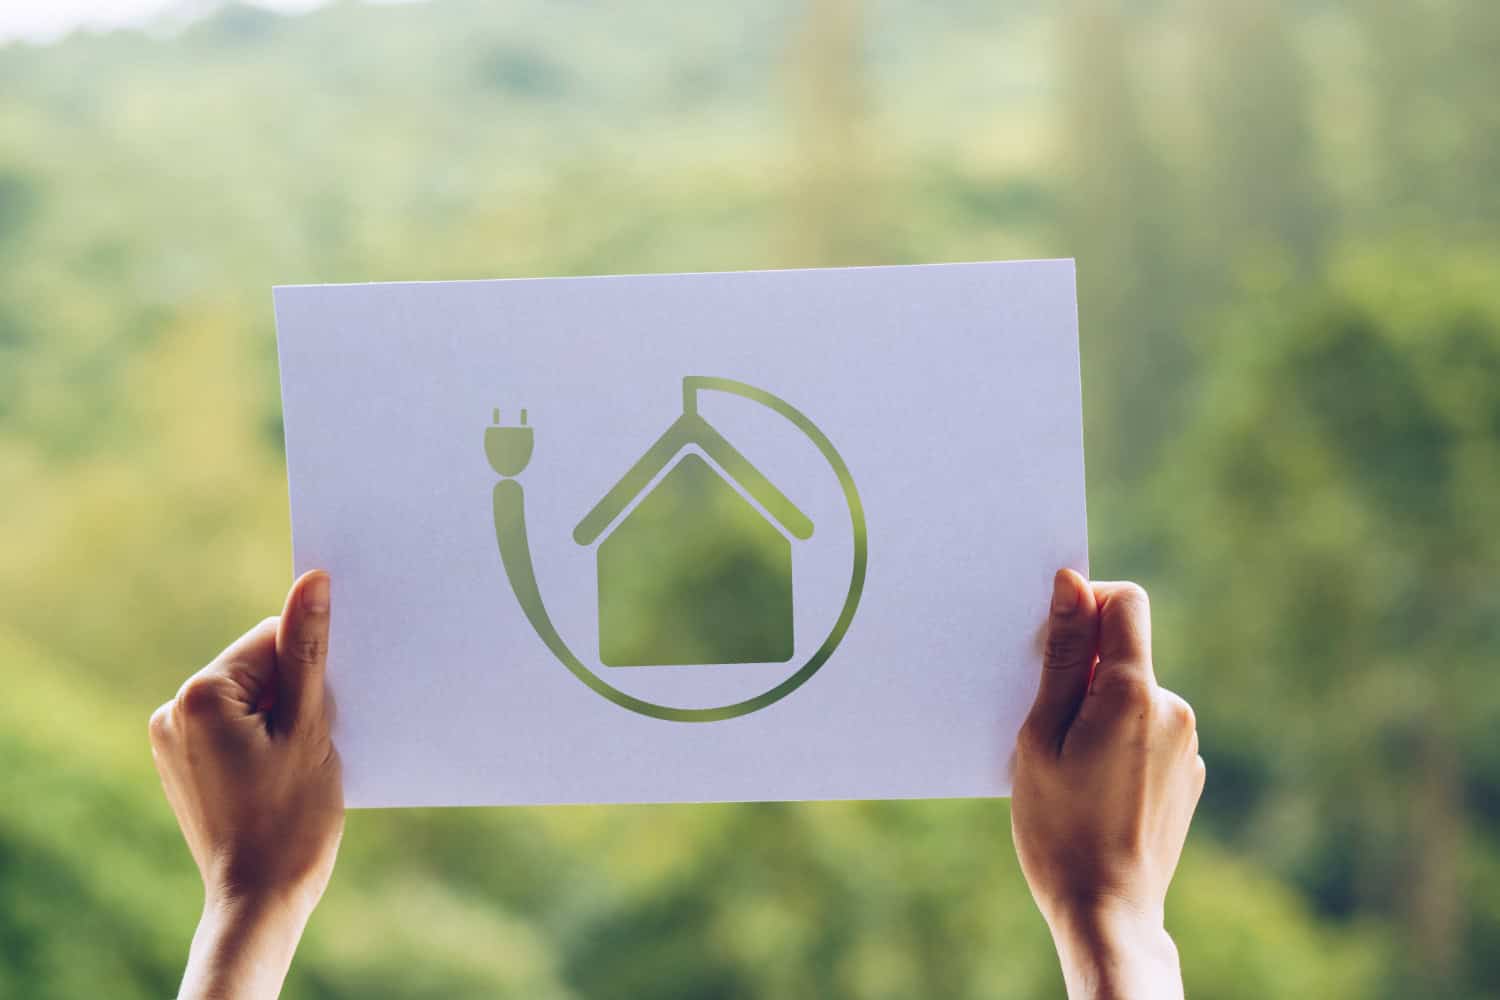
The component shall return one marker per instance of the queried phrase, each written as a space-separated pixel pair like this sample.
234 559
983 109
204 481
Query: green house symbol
694 572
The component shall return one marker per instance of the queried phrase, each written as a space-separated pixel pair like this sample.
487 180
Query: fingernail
1064 594
315 595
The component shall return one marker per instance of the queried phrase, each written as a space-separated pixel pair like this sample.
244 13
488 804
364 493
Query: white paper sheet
950 395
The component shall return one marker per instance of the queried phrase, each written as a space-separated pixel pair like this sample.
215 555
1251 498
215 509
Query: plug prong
497 415
523 418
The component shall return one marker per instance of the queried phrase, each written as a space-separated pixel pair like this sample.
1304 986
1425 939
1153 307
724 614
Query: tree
1436 123
830 199
1261 189
1333 500
1121 224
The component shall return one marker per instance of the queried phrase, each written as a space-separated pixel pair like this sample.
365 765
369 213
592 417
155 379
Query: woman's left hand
247 762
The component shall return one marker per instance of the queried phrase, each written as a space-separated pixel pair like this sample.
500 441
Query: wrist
1112 950
242 948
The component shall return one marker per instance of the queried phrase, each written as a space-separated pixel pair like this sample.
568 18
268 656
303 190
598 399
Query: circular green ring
851 601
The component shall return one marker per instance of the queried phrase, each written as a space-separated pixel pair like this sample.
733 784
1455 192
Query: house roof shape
691 429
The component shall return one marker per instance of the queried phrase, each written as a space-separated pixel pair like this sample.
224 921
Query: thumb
302 652
1068 658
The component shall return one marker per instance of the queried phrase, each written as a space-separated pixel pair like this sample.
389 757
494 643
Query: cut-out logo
694 555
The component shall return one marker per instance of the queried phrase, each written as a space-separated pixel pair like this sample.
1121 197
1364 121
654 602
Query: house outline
689 435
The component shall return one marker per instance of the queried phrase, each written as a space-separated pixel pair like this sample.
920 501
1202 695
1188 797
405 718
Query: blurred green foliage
1287 220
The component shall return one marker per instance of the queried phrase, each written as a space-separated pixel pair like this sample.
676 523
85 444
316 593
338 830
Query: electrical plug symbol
508 448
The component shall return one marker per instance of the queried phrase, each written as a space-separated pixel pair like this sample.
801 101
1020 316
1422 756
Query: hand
1106 778
249 767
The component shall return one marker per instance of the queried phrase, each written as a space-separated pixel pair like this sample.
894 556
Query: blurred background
1286 215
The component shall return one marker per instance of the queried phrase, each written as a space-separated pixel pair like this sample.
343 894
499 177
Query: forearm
1116 955
241 951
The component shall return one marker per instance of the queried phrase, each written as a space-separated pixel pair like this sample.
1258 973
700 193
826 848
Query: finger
236 681
1177 719
1068 658
159 727
302 652
1124 636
